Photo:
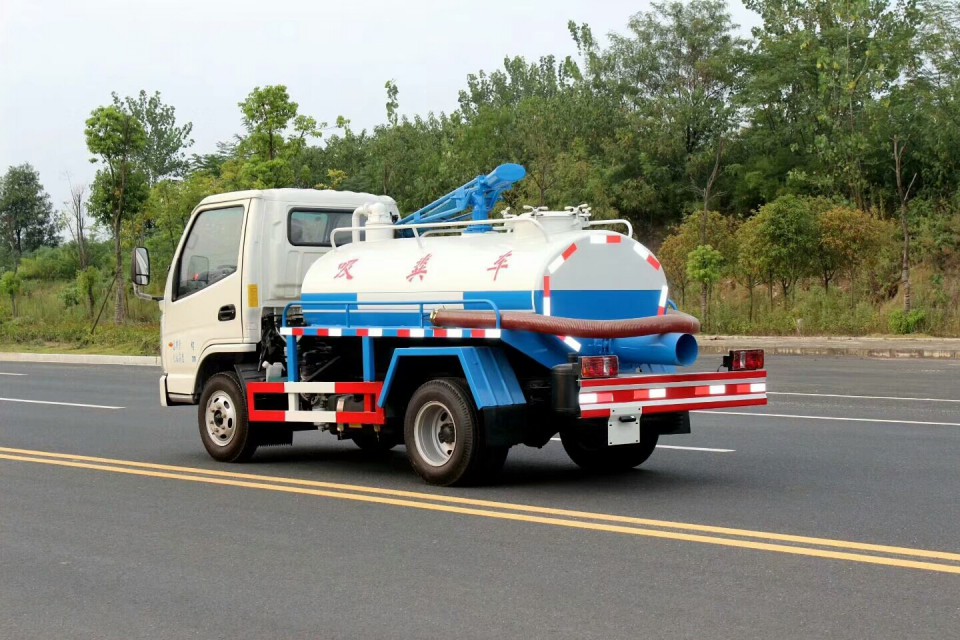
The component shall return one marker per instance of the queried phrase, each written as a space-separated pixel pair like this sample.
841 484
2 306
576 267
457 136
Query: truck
451 331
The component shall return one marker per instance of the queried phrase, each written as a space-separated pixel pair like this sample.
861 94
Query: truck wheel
442 433
586 444
224 429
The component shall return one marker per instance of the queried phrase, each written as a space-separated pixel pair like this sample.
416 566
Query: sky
60 59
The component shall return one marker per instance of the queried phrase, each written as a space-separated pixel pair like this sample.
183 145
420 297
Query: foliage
846 236
120 188
27 220
11 285
163 154
903 322
788 240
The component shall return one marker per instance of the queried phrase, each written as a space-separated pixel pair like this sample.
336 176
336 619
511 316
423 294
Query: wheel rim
221 419
435 434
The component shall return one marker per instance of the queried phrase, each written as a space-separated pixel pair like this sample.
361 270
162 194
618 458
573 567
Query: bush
903 323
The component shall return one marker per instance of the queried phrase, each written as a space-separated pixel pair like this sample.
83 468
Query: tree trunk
120 312
91 302
750 316
704 302
903 191
905 267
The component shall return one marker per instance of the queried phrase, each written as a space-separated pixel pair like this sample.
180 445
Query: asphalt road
818 516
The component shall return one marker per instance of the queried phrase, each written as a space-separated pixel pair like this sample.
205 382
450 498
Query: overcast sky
59 59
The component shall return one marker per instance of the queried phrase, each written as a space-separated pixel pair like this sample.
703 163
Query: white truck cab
243 256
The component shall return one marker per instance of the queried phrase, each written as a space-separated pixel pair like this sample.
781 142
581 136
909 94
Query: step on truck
456 334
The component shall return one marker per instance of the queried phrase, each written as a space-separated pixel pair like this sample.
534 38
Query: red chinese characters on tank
500 263
343 269
420 269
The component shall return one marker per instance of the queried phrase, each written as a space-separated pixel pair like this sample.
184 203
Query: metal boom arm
480 194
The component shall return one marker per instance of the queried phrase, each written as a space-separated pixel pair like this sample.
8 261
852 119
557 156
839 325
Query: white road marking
11 374
837 395
61 404
835 418
672 446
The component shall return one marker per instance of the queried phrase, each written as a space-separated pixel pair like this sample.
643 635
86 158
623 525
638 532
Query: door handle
227 312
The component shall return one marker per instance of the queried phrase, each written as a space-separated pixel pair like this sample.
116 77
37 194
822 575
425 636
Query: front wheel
224 428
586 444
444 438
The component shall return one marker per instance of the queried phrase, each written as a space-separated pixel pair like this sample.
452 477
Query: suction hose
672 322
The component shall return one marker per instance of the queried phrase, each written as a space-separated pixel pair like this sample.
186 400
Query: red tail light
599 366
745 360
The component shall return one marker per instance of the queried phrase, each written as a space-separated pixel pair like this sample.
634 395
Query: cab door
203 293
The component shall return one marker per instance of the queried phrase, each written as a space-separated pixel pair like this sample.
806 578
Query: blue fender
489 374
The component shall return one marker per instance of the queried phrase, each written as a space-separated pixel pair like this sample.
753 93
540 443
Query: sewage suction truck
454 333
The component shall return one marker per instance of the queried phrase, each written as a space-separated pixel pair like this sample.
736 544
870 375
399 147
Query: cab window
312 228
211 250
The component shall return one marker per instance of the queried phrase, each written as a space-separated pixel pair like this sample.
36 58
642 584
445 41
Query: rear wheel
444 438
586 444
224 428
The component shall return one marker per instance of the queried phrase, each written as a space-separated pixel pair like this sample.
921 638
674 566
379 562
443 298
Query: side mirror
140 267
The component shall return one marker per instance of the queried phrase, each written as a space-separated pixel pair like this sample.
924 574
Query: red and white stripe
644 253
371 414
599 238
563 257
672 393
546 296
389 332
662 305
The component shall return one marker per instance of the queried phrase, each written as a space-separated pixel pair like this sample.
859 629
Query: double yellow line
903 557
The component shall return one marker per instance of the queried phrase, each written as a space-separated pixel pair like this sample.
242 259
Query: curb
902 354
81 358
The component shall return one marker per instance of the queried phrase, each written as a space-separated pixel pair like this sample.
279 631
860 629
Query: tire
224 429
444 436
586 444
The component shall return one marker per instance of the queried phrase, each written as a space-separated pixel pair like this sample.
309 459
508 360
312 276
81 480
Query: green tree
816 70
11 285
27 219
120 188
845 237
86 285
788 232
752 266
677 73
163 155
276 137
706 266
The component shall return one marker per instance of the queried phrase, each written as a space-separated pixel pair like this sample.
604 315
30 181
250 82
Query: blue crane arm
480 194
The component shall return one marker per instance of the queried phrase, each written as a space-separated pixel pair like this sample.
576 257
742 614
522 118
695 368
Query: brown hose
674 322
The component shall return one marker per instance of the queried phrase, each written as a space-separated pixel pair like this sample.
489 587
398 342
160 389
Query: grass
48 323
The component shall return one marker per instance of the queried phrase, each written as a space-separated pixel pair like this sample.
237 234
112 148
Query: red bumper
657 393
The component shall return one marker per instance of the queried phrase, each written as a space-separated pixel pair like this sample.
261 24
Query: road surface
833 512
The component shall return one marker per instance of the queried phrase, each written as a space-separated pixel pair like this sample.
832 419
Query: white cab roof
320 197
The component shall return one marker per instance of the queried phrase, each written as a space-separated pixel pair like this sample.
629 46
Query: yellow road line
551 511
499 515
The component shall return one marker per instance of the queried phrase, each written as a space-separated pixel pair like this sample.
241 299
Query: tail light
599 366
744 360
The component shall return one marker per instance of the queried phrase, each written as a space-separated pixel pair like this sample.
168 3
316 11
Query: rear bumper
671 393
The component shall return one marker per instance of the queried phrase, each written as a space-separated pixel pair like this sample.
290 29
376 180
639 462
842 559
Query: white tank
554 267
